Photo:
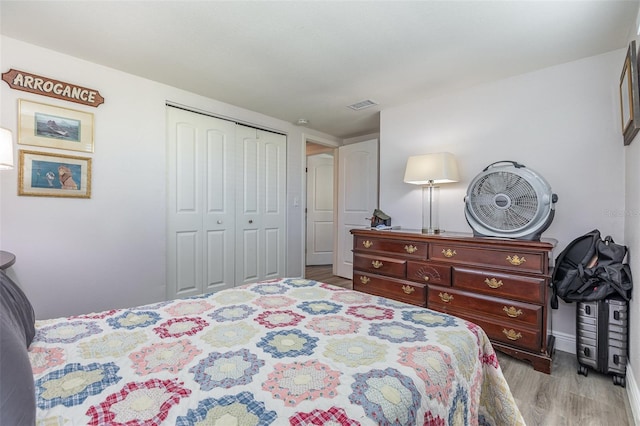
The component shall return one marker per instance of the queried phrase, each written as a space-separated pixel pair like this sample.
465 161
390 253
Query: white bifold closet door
260 205
226 204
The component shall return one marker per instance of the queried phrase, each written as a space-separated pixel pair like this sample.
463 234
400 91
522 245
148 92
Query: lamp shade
6 149
440 167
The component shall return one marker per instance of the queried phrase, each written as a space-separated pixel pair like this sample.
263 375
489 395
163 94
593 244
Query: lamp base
430 210
431 231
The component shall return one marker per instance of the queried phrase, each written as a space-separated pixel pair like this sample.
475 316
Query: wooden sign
32 83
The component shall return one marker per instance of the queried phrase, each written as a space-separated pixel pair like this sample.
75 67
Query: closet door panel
272 179
248 262
219 220
184 233
263 174
251 174
249 242
218 259
187 169
184 200
217 170
199 152
188 273
272 253
274 203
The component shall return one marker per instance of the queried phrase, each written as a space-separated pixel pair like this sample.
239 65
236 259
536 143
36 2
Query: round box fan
509 201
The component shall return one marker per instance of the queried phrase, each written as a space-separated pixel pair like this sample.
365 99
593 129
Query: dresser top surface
461 237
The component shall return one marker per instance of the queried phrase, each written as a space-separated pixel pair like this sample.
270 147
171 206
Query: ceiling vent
362 104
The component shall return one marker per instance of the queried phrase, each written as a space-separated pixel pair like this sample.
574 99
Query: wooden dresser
500 284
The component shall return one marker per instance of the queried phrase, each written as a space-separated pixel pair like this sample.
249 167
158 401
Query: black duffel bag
589 269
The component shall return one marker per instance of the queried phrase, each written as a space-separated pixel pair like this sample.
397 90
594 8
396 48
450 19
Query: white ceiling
310 60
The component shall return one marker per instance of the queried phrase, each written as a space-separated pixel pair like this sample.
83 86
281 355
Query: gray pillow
17 328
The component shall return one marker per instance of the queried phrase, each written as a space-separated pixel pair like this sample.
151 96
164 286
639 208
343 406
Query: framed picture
54 127
53 175
629 100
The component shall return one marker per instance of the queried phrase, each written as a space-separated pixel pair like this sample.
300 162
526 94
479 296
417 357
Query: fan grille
503 201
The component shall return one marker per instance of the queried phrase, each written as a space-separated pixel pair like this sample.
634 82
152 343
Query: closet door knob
250 220
219 222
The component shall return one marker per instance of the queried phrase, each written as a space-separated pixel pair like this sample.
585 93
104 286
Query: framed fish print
54 127
629 97
53 175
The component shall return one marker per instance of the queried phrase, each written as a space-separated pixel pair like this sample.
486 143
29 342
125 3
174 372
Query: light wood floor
563 398
323 273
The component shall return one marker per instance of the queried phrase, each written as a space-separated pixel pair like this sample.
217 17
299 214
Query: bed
281 352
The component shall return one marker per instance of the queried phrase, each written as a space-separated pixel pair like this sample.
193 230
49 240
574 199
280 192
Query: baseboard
633 393
567 343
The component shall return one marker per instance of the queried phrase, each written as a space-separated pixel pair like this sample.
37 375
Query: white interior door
357 198
260 205
200 214
320 227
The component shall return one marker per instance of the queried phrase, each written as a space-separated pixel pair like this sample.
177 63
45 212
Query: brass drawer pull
515 260
410 249
367 244
445 297
364 280
448 252
493 283
408 289
377 264
511 334
512 312
426 277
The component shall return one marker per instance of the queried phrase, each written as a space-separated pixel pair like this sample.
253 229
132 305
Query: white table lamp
428 170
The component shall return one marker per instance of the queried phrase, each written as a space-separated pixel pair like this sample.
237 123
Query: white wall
79 255
562 122
632 238
631 213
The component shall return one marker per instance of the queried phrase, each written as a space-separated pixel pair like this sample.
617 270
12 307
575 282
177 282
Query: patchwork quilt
283 352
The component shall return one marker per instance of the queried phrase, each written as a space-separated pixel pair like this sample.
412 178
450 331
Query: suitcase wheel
620 381
584 371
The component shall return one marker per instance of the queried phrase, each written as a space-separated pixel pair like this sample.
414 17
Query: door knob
219 222
250 220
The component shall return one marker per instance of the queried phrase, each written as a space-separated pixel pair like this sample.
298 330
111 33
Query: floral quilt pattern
282 352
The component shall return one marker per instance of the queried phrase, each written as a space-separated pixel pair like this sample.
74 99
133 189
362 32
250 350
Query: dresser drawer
415 294
512 334
380 265
502 309
429 273
408 249
523 288
510 260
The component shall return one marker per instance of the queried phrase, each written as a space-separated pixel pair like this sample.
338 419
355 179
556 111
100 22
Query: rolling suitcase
602 336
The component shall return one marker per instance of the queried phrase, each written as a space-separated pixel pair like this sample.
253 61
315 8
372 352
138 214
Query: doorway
354 184
319 209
